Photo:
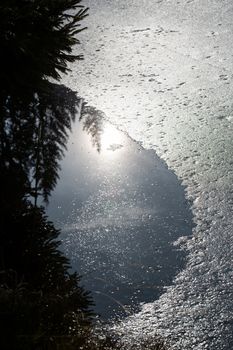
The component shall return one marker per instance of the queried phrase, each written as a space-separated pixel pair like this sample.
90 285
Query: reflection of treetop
42 305
34 135
36 39
93 124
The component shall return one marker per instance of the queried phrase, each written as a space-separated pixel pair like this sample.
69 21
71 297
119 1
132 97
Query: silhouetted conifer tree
40 300
42 305
34 135
36 38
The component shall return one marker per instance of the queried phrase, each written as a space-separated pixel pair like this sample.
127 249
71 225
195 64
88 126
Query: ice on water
162 71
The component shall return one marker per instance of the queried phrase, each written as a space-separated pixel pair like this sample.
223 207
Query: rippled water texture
162 71
121 211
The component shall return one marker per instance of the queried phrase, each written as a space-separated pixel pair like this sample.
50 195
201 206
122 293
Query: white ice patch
162 71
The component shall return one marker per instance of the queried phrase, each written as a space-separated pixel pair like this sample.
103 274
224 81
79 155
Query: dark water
120 210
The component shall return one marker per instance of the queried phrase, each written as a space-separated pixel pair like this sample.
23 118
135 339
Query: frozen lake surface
162 72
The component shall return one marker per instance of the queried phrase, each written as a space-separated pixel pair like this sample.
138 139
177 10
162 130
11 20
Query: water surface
162 71
120 210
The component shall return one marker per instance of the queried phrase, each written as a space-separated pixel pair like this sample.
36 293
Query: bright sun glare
111 139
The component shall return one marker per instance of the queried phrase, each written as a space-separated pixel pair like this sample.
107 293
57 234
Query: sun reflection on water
120 210
111 139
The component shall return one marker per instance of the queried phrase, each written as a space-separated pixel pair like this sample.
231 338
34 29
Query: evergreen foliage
34 134
36 38
92 124
42 304
40 300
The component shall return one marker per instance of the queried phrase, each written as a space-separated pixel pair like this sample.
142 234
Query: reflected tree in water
92 123
34 134
41 302
36 40
40 299
42 305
